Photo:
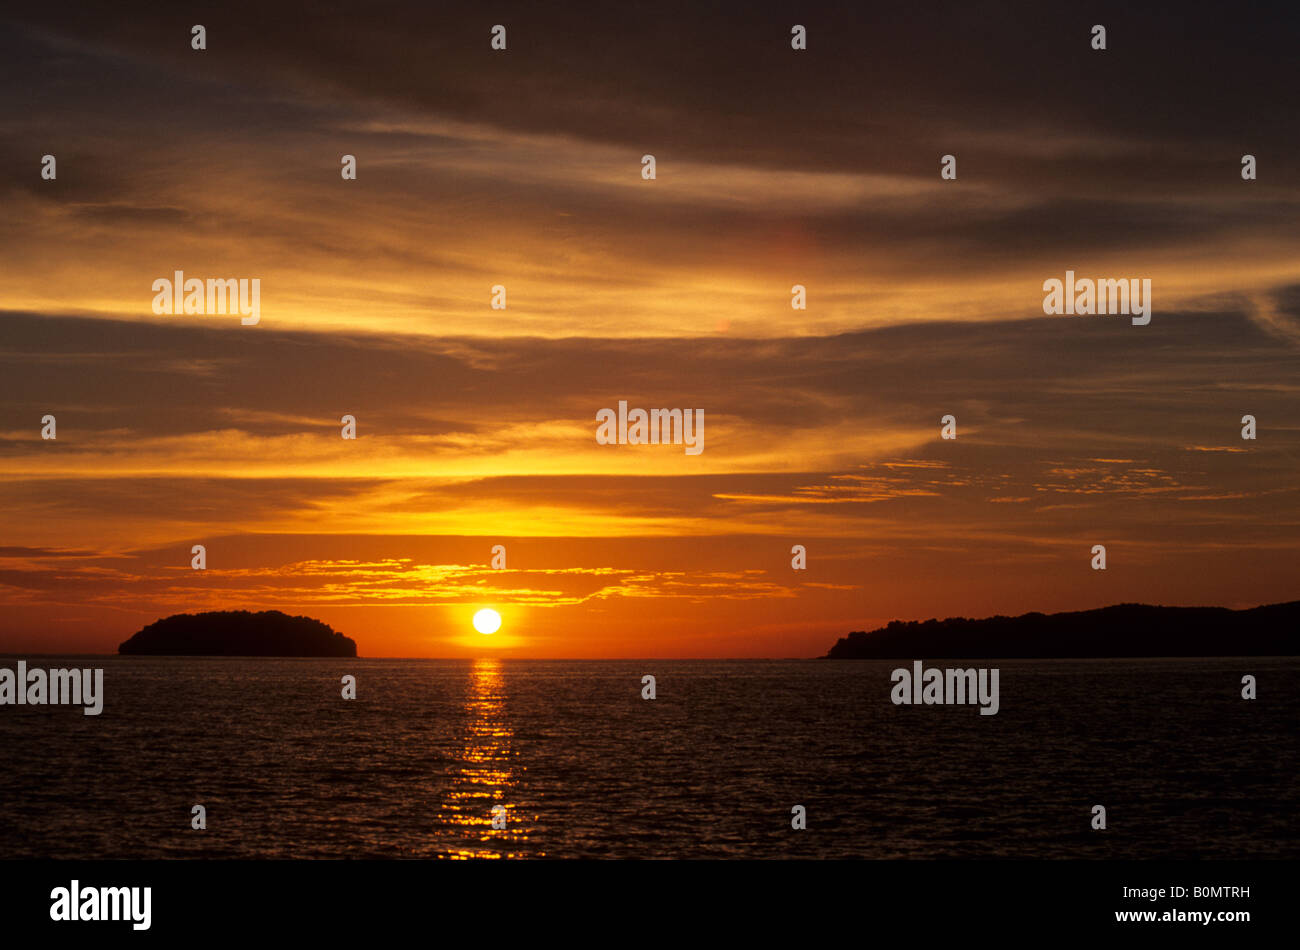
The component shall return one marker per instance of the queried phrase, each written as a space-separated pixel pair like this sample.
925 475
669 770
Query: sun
487 620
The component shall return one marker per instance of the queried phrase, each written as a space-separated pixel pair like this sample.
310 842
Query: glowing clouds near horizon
487 620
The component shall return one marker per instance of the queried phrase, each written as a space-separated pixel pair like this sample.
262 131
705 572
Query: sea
509 759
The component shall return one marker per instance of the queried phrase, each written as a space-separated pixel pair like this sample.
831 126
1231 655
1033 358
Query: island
238 633
1122 630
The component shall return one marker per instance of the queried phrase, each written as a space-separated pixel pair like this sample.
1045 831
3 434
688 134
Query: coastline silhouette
238 633
1121 630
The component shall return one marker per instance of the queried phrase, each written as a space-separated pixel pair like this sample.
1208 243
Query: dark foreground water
584 767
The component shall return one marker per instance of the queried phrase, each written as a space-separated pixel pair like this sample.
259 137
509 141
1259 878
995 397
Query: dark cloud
1063 151
877 87
1055 376
122 213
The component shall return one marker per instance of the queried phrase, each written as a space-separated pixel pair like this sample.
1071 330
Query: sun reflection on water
485 777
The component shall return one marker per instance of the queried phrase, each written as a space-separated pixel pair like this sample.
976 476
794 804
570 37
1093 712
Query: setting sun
487 620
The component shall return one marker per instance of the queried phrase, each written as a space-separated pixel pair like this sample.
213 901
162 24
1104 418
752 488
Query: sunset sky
522 167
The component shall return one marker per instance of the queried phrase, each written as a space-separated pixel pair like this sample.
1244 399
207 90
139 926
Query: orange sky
477 426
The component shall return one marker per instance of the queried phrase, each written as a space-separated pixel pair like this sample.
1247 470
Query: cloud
524 167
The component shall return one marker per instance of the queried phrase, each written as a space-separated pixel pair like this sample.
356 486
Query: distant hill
238 633
1121 630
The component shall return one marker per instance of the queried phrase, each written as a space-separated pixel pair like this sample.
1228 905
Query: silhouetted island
238 633
1121 630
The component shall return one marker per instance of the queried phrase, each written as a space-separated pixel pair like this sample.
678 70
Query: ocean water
585 768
